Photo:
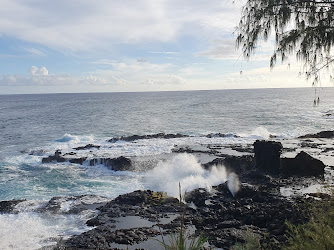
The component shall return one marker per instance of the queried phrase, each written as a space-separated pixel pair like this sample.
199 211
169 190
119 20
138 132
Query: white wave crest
67 138
261 133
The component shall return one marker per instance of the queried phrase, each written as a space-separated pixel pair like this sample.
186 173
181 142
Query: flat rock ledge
217 215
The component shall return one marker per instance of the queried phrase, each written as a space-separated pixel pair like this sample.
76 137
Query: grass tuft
182 240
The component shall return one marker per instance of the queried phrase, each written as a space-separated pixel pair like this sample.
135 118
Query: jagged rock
78 160
197 196
8 206
76 204
137 197
215 135
88 146
302 165
322 134
236 164
117 164
243 149
267 156
141 137
54 158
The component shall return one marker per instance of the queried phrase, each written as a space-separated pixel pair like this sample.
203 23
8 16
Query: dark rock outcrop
302 165
197 196
8 206
215 135
54 158
117 164
267 156
322 134
141 137
78 160
236 164
88 146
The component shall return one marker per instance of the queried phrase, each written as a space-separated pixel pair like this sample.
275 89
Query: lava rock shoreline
259 207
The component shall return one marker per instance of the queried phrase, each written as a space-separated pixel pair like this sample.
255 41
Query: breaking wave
186 170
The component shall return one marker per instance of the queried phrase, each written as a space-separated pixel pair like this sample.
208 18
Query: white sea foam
24 231
31 230
186 170
144 147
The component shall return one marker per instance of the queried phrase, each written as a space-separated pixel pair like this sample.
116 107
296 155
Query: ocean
35 126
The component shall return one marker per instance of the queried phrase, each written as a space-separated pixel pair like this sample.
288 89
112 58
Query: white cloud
226 49
129 74
38 71
164 52
41 77
282 76
222 49
35 52
165 80
86 25
136 73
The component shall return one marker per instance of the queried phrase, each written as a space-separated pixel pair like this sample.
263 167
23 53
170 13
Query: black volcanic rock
54 158
302 165
215 135
78 160
236 164
117 164
322 134
8 206
88 146
197 196
141 137
267 156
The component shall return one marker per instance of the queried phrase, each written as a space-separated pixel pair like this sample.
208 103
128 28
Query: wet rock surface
88 146
141 137
117 164
56 205
217 215
236 164
8 206
322 134
147 207
303 165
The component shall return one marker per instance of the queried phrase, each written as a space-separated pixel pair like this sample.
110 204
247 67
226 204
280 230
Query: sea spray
186 170
23 231
31 230
233 183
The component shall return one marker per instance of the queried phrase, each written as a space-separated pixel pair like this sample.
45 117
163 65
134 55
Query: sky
68 46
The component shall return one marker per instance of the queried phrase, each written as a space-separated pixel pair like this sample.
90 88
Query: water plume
233 183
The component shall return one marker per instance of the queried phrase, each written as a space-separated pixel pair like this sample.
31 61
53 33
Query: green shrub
318 233
252 242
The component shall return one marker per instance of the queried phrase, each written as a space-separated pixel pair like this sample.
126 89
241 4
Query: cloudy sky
121 45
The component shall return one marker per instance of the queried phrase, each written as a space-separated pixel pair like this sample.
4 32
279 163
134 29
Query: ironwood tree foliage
303 27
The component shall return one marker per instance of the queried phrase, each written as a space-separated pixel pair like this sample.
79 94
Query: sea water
35 126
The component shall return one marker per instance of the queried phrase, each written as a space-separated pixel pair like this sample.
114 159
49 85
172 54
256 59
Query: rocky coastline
264 173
